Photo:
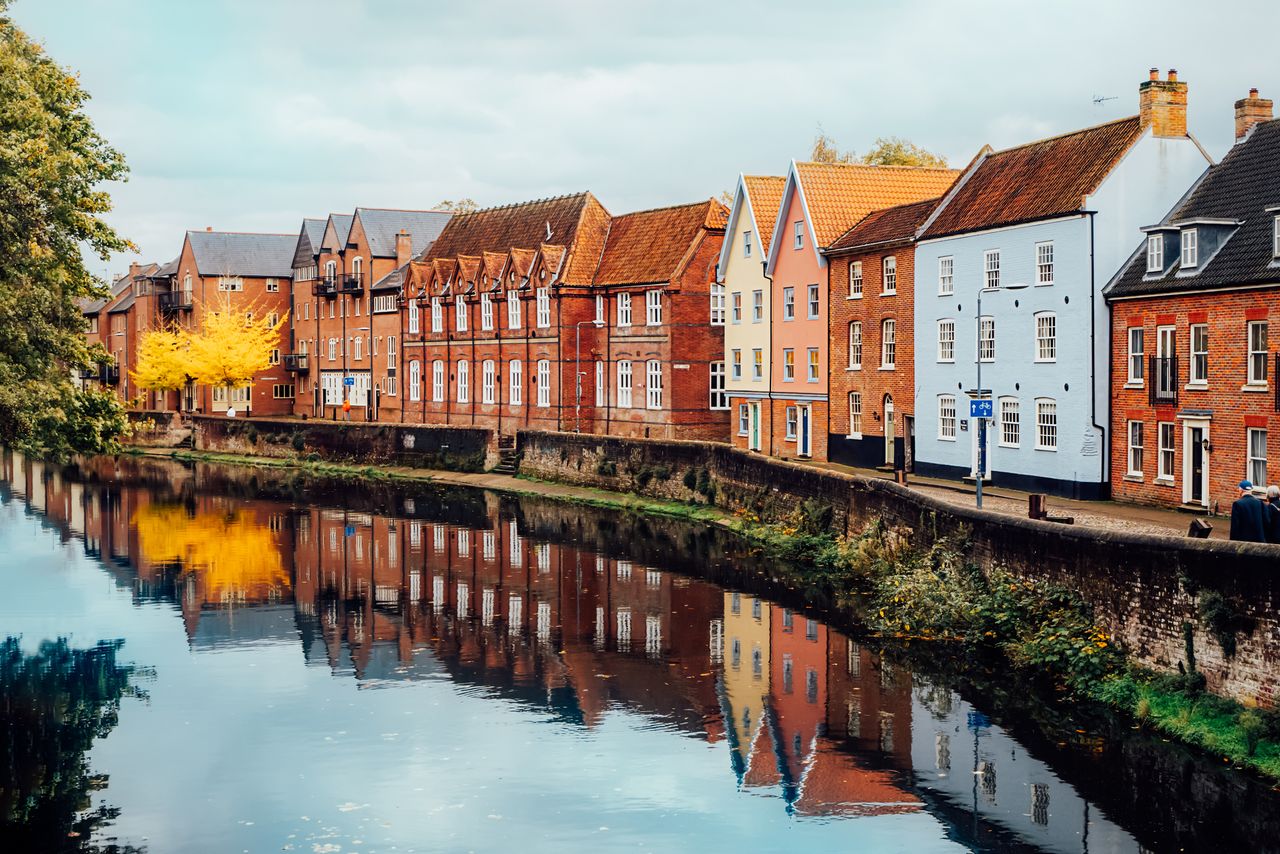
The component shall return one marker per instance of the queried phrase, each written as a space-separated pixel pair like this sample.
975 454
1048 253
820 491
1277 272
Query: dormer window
1155 253
1190 247
1275 237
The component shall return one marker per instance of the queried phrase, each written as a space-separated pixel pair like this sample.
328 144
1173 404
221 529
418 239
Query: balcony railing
296 363
1164 380
175 301
110 374
89 373
351 283
326 286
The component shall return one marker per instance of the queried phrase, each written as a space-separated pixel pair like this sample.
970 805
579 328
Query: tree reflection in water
53 704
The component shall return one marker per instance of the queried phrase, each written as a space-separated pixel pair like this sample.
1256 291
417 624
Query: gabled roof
887 226
310 236
1039 180
381 225
341 226
649 247
229 253
764 193
165 270
1245 188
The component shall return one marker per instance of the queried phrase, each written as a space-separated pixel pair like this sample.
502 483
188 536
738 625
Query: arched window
330 269
357 264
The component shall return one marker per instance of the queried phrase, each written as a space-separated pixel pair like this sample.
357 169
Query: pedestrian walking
1248 516
1273 514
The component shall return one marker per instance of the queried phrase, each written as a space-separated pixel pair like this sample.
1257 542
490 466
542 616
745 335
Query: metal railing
351 283
325 286
109 375
296 363
1164 380
175 301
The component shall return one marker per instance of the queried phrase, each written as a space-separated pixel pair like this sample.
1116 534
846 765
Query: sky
250 114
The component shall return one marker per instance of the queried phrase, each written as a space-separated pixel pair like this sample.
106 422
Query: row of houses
839 312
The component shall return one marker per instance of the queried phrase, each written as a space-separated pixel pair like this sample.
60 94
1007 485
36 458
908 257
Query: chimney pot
1253 93
1162 105
1173 75
208 228
1250 112
1153 74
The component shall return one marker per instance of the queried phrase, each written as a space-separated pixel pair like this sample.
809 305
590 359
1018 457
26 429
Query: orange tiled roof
522 261
765 192
647 247
1041 179
587 244
887 225
835 784
552 258
469 265
840 194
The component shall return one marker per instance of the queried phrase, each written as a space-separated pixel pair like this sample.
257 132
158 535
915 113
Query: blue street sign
348 381
351 531
980 409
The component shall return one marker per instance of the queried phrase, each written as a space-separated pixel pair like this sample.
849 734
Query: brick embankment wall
1143 588
156 429
421 446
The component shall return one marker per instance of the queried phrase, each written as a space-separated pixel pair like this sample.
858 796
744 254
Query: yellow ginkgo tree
162 363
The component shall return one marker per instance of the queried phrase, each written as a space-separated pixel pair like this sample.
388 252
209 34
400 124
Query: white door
890 430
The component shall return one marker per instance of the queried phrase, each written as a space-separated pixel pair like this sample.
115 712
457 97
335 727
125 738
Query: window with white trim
1135 432
855 415
1190 247
274 357
391 352
437 380
624 309
1275 237
230 283
1199 353
464 381
515 382
793 422
991 268
1046 424
1257 441
460 313
788 303
719 397
744 419
653 384
1168 435
653 308
717 304
1010 422
437 315
513 309
544 383
947 417
746 244
788 365
737 307
814 304
413 316
946 275
273 286
946 340
757 306
890 273
488 381
333 349
486 312
600 389
357 350
812 375
855 279
543 300
987 338
1155 252
855 345
757 364
735 361
1044 263
798 234
1257 352
624 384
415 380
600 309
1137 355
1046 337
888 344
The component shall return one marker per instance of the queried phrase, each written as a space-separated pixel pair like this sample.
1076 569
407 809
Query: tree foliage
233 342
825 150
887 151
52 168
462 206
161 360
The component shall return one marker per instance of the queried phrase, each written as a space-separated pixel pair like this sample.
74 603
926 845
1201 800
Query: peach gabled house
820 202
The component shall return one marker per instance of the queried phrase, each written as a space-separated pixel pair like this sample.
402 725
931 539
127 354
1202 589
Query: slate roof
887 226
765 193
166 270
309 239
124 305
648 247
1039 180
840 194
1241 187
381 225
229 253
342 227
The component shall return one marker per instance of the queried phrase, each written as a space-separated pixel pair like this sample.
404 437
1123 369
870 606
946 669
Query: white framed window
744 419
600 390
391 352
274 357
719 397
273 286
1190 247
946 275
717 304
757 306
1046 337
855 415
437 380
464 381
788 303
757 364
544 383
600 309
624 384
1155 252
1199 353
792 422
1046 424
737 306
814 304
1257 440
735 361
812 375
1044 263
1137 355
1275 237
513 309
415 380
333 349
357 349
488 381
746 244
413 316
1257 352
890 272
486 312
797 231
624 309
991 268
230 283
1167 436
515 372
653 308
1010 422
946 340
653 384
888 344
543 300
437 315
987 338
855 345
855 279
788 365
1135 431
947 417
460 313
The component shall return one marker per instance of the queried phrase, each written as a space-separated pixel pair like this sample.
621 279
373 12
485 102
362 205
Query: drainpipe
1104 448
764 266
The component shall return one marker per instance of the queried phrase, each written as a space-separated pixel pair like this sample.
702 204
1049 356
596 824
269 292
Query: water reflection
511 602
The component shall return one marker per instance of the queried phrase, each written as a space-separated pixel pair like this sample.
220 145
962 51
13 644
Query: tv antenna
1099 99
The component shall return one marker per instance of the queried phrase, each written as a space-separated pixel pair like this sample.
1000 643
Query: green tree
52 168
461 206
825 150
887 151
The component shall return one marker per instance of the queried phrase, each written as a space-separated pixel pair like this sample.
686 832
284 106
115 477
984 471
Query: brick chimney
135 267
1162 104
1251 111
404 248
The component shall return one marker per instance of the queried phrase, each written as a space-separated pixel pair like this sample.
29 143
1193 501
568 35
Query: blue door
804 431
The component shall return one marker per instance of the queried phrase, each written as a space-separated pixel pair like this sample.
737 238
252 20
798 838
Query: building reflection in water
810 717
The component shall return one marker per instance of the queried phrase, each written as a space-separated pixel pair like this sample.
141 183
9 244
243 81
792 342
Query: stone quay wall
1143 588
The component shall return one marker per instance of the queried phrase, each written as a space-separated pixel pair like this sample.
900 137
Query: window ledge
1133 478
1049 450
1132 385
852 370
1197 386
1163 481
854 296
1254 388
888 293
889 368
1044 361
946 438
1043 285
854 436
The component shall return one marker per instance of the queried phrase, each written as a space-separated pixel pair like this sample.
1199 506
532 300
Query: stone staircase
508 457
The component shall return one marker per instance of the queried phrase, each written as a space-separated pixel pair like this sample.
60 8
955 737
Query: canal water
218 659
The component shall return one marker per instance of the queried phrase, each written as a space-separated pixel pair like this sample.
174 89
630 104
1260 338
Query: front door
755 426
890 430
909 443
805 425
1193 486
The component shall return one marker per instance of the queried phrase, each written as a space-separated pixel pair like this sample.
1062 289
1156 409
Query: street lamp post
577 371
981 425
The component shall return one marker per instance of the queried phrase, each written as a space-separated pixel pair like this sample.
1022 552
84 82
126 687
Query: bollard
1199 529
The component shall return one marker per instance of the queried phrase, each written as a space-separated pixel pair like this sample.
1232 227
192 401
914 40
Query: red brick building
871 277
112 324
1194 386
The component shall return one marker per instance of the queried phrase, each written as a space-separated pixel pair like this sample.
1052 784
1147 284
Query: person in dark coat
1248 516
1273 514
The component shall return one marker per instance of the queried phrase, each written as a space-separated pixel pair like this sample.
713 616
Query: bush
691 480
299 443
607 468
1251 730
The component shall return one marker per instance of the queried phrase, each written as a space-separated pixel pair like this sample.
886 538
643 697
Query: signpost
981 409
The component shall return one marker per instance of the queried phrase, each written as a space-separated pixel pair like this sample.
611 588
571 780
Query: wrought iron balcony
175 301
109 375
1164 380
296 363
325 286
89 373
351 283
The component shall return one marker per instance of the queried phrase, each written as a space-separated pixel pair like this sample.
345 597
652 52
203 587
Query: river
260 661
